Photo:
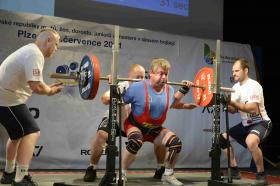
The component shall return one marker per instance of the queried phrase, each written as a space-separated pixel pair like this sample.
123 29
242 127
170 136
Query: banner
68 123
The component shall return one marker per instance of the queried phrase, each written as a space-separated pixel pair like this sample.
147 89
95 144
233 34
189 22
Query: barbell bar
88 79
76 77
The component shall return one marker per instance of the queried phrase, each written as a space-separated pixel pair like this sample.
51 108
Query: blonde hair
159 62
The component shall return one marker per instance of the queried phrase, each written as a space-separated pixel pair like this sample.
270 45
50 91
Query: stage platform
141 178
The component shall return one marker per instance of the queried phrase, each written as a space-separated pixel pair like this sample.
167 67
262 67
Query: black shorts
18 121
105 127
261 129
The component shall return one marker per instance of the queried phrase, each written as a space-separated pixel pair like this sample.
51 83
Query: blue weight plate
61 69
89 77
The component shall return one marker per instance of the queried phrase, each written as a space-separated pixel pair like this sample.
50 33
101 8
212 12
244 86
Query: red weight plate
204 77
96 76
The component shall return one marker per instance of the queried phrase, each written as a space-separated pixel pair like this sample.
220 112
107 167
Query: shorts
261 129
146 137
105 127
18 121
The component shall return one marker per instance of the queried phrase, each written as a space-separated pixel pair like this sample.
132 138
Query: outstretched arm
41 88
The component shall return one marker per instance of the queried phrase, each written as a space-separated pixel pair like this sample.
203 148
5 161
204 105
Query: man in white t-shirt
255 124
136 71
21 74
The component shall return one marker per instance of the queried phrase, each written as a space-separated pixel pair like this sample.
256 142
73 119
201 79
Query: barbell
88 78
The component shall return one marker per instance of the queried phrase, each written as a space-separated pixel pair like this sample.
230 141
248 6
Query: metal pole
215 152
120 181
228 144
110 176
115 55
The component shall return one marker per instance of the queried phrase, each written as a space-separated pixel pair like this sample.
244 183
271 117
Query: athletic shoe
8 178
171 179
260 179
26 181
90 175
159 172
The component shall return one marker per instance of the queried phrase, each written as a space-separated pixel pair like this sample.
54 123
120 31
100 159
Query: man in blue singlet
150 101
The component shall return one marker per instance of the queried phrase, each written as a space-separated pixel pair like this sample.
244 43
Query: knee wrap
223 142
135 141
174 146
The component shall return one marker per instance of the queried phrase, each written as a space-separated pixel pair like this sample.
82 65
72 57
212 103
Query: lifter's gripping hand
185 89
121 90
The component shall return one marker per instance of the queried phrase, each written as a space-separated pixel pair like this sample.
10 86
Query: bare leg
253 142
26 148
11 153
233 161
128 157
11 149
24 154
173 146
170 164
160 152
127 160
97 146
96 149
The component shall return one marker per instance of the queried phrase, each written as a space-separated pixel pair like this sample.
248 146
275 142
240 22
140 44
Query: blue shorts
18 121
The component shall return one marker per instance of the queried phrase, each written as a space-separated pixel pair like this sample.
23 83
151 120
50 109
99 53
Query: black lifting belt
153 130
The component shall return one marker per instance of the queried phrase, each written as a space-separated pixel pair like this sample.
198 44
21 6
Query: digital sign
177 7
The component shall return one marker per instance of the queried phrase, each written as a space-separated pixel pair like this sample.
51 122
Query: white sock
168 172
21 171
123 172
10 166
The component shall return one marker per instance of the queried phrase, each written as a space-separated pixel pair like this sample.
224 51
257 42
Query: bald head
47 32
136 71
47 41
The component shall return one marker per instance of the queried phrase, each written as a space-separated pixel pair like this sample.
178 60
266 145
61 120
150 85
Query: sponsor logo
255 97
37 151
36 72
209 56
209 110
85 152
